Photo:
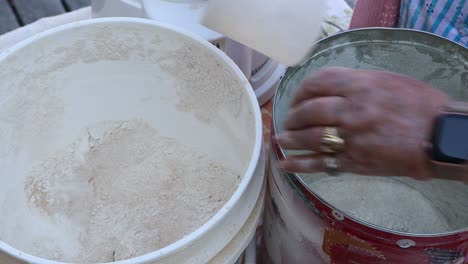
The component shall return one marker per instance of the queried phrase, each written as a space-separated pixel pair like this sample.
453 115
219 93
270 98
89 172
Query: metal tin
302 227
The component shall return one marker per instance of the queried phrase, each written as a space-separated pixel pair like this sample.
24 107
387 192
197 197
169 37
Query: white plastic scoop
284 30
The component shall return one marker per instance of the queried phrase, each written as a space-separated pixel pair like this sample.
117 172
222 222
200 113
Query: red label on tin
343 247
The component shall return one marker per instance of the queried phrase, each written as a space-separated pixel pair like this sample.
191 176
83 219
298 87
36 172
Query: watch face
450 142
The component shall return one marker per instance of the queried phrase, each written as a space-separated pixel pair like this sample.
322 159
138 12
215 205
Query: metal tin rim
306 186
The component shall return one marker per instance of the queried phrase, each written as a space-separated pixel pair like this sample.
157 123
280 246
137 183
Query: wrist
456 106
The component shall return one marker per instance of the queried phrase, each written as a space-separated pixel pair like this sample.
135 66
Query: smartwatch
449 152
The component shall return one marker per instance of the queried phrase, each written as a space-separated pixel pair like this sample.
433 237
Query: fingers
334 81
313 163
306 139
323 111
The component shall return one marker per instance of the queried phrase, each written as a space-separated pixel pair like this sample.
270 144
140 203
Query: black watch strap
452 171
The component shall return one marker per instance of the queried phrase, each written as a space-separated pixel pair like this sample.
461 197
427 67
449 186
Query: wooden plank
8 20
76 4
32 10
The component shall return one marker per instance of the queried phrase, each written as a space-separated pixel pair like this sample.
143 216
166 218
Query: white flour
127 190
384 202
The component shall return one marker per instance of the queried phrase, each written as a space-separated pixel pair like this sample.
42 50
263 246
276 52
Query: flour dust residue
382 201
129 191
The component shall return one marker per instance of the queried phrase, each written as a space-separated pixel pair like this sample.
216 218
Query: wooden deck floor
17 13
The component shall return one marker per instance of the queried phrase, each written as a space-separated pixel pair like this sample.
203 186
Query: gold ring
331 142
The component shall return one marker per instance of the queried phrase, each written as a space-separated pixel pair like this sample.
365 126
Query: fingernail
285 166
276 139
282 138
281 164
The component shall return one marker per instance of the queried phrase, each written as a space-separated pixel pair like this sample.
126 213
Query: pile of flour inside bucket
119 191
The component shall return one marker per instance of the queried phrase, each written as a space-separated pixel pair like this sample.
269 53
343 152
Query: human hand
385 119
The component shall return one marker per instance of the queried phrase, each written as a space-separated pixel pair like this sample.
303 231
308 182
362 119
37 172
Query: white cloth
13 37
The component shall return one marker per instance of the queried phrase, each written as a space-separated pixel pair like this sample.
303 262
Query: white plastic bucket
107 47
